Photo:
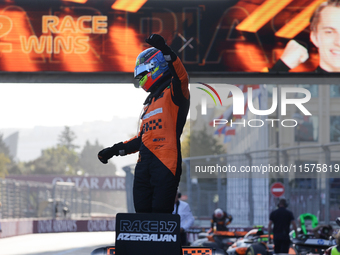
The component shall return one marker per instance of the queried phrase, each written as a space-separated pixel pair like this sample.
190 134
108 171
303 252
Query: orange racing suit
158 169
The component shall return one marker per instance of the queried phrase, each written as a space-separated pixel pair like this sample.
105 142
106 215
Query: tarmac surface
81 243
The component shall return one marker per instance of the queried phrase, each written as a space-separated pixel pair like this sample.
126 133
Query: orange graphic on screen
299 22
262 15
15 24
128 5
76 1
123 45
248 57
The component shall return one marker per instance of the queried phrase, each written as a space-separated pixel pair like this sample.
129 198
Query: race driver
220 220
157 173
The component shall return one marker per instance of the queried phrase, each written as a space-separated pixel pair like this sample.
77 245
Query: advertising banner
91 182
68 225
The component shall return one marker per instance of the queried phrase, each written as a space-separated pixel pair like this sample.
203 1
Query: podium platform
150 234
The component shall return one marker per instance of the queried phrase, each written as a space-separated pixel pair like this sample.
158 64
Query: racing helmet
218 213
151 68
326 231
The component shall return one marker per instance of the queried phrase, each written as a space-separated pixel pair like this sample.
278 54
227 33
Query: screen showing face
208 36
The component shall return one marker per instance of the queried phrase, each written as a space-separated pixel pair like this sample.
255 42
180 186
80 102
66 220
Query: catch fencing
314 187
26 199
248 199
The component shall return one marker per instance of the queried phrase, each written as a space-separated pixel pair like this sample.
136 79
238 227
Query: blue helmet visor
142 69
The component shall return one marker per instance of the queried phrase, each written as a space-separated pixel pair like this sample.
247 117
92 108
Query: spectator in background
281 218
187 219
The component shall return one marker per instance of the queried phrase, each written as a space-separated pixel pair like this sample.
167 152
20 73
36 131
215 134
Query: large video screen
209 36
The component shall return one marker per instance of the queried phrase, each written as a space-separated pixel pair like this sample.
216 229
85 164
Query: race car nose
102 251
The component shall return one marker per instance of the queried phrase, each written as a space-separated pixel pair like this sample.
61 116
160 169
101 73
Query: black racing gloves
107 153
158 42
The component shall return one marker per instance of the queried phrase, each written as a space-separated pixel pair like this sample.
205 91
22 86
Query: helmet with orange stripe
151 69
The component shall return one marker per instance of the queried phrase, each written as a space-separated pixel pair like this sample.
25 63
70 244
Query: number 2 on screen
5 27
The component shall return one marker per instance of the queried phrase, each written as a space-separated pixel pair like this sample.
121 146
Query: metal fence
249 199
23 199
